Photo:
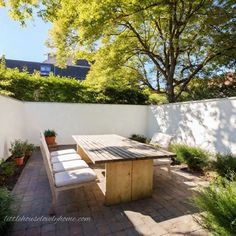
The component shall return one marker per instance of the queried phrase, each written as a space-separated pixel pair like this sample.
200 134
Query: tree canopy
164 43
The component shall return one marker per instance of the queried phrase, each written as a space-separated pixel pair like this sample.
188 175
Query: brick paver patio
168 212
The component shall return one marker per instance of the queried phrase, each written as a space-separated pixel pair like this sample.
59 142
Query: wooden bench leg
54 202
169 171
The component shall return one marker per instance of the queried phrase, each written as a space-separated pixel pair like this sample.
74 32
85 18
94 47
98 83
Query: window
45 70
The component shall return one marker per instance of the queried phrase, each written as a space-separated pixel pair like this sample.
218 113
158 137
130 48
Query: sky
26 43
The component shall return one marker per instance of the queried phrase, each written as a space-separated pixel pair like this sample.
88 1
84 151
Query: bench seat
69 165
66 157
162 161
63 152
80 176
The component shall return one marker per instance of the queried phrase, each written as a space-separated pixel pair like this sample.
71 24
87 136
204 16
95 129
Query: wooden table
129 165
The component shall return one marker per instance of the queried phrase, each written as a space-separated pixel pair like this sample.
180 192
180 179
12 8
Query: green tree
167 42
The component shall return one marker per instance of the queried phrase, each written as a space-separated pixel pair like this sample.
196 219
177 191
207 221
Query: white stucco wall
68 119
210 124
11 123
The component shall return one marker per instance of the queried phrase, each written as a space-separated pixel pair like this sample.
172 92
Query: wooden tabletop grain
111 147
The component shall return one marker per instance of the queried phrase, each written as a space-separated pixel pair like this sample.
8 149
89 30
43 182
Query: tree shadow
170 200
208 124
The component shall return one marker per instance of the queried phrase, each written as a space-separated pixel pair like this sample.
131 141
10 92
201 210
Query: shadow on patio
168 212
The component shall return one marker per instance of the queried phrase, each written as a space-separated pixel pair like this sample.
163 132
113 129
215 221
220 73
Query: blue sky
23 43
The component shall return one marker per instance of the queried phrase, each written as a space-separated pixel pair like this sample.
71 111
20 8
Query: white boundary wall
25 119
11 123
68 119
210 124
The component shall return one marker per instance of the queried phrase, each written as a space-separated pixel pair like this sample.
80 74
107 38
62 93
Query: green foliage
218 206
166 43
6 200
216 87
155 98
29 148
8 168
225 165
24 86
194 157
49 133
139 138
17 148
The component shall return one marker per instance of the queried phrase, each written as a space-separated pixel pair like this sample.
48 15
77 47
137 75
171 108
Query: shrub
225 165
33 87
8 168
196 158
5 209
139 138
29 148
217 204
49 133
17 148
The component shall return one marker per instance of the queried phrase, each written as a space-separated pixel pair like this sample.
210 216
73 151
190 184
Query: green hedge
27 87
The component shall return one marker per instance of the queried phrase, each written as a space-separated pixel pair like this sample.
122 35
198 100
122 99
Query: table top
111 147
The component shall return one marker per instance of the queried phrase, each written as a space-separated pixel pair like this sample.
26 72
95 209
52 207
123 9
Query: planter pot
19 161
50 140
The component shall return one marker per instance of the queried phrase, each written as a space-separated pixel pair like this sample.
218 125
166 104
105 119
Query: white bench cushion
63 152
68 165
66 157
161 139
162 161
74 177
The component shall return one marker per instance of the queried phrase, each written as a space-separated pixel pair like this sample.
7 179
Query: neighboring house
78 70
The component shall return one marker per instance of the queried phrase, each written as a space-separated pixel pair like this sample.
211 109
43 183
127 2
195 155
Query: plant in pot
50 136
29 148
18 151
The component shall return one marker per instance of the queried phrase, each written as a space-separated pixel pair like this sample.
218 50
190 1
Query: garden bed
9 181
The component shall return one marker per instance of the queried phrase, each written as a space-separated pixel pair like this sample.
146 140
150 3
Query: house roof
80 63
74 71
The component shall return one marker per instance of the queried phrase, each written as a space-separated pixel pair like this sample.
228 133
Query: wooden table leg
83 155
128 180
118 182
142 179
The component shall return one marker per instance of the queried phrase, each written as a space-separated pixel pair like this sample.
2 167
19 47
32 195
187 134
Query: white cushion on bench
66 157
162 161
74 177
161 139
68 165
63 152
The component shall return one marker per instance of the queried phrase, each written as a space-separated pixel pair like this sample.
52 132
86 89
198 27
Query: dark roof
82 62
72 71
76 71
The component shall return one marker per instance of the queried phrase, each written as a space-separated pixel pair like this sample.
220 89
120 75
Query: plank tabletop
111 147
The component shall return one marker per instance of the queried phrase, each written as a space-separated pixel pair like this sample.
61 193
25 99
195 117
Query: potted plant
50 136
18 150
29 148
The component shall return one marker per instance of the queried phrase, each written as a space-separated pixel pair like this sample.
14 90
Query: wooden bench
163 141
65 171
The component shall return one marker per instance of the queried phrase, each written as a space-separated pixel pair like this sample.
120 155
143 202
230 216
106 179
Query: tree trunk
170 92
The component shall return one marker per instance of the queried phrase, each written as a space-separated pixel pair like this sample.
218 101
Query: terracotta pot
19 161
50 140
